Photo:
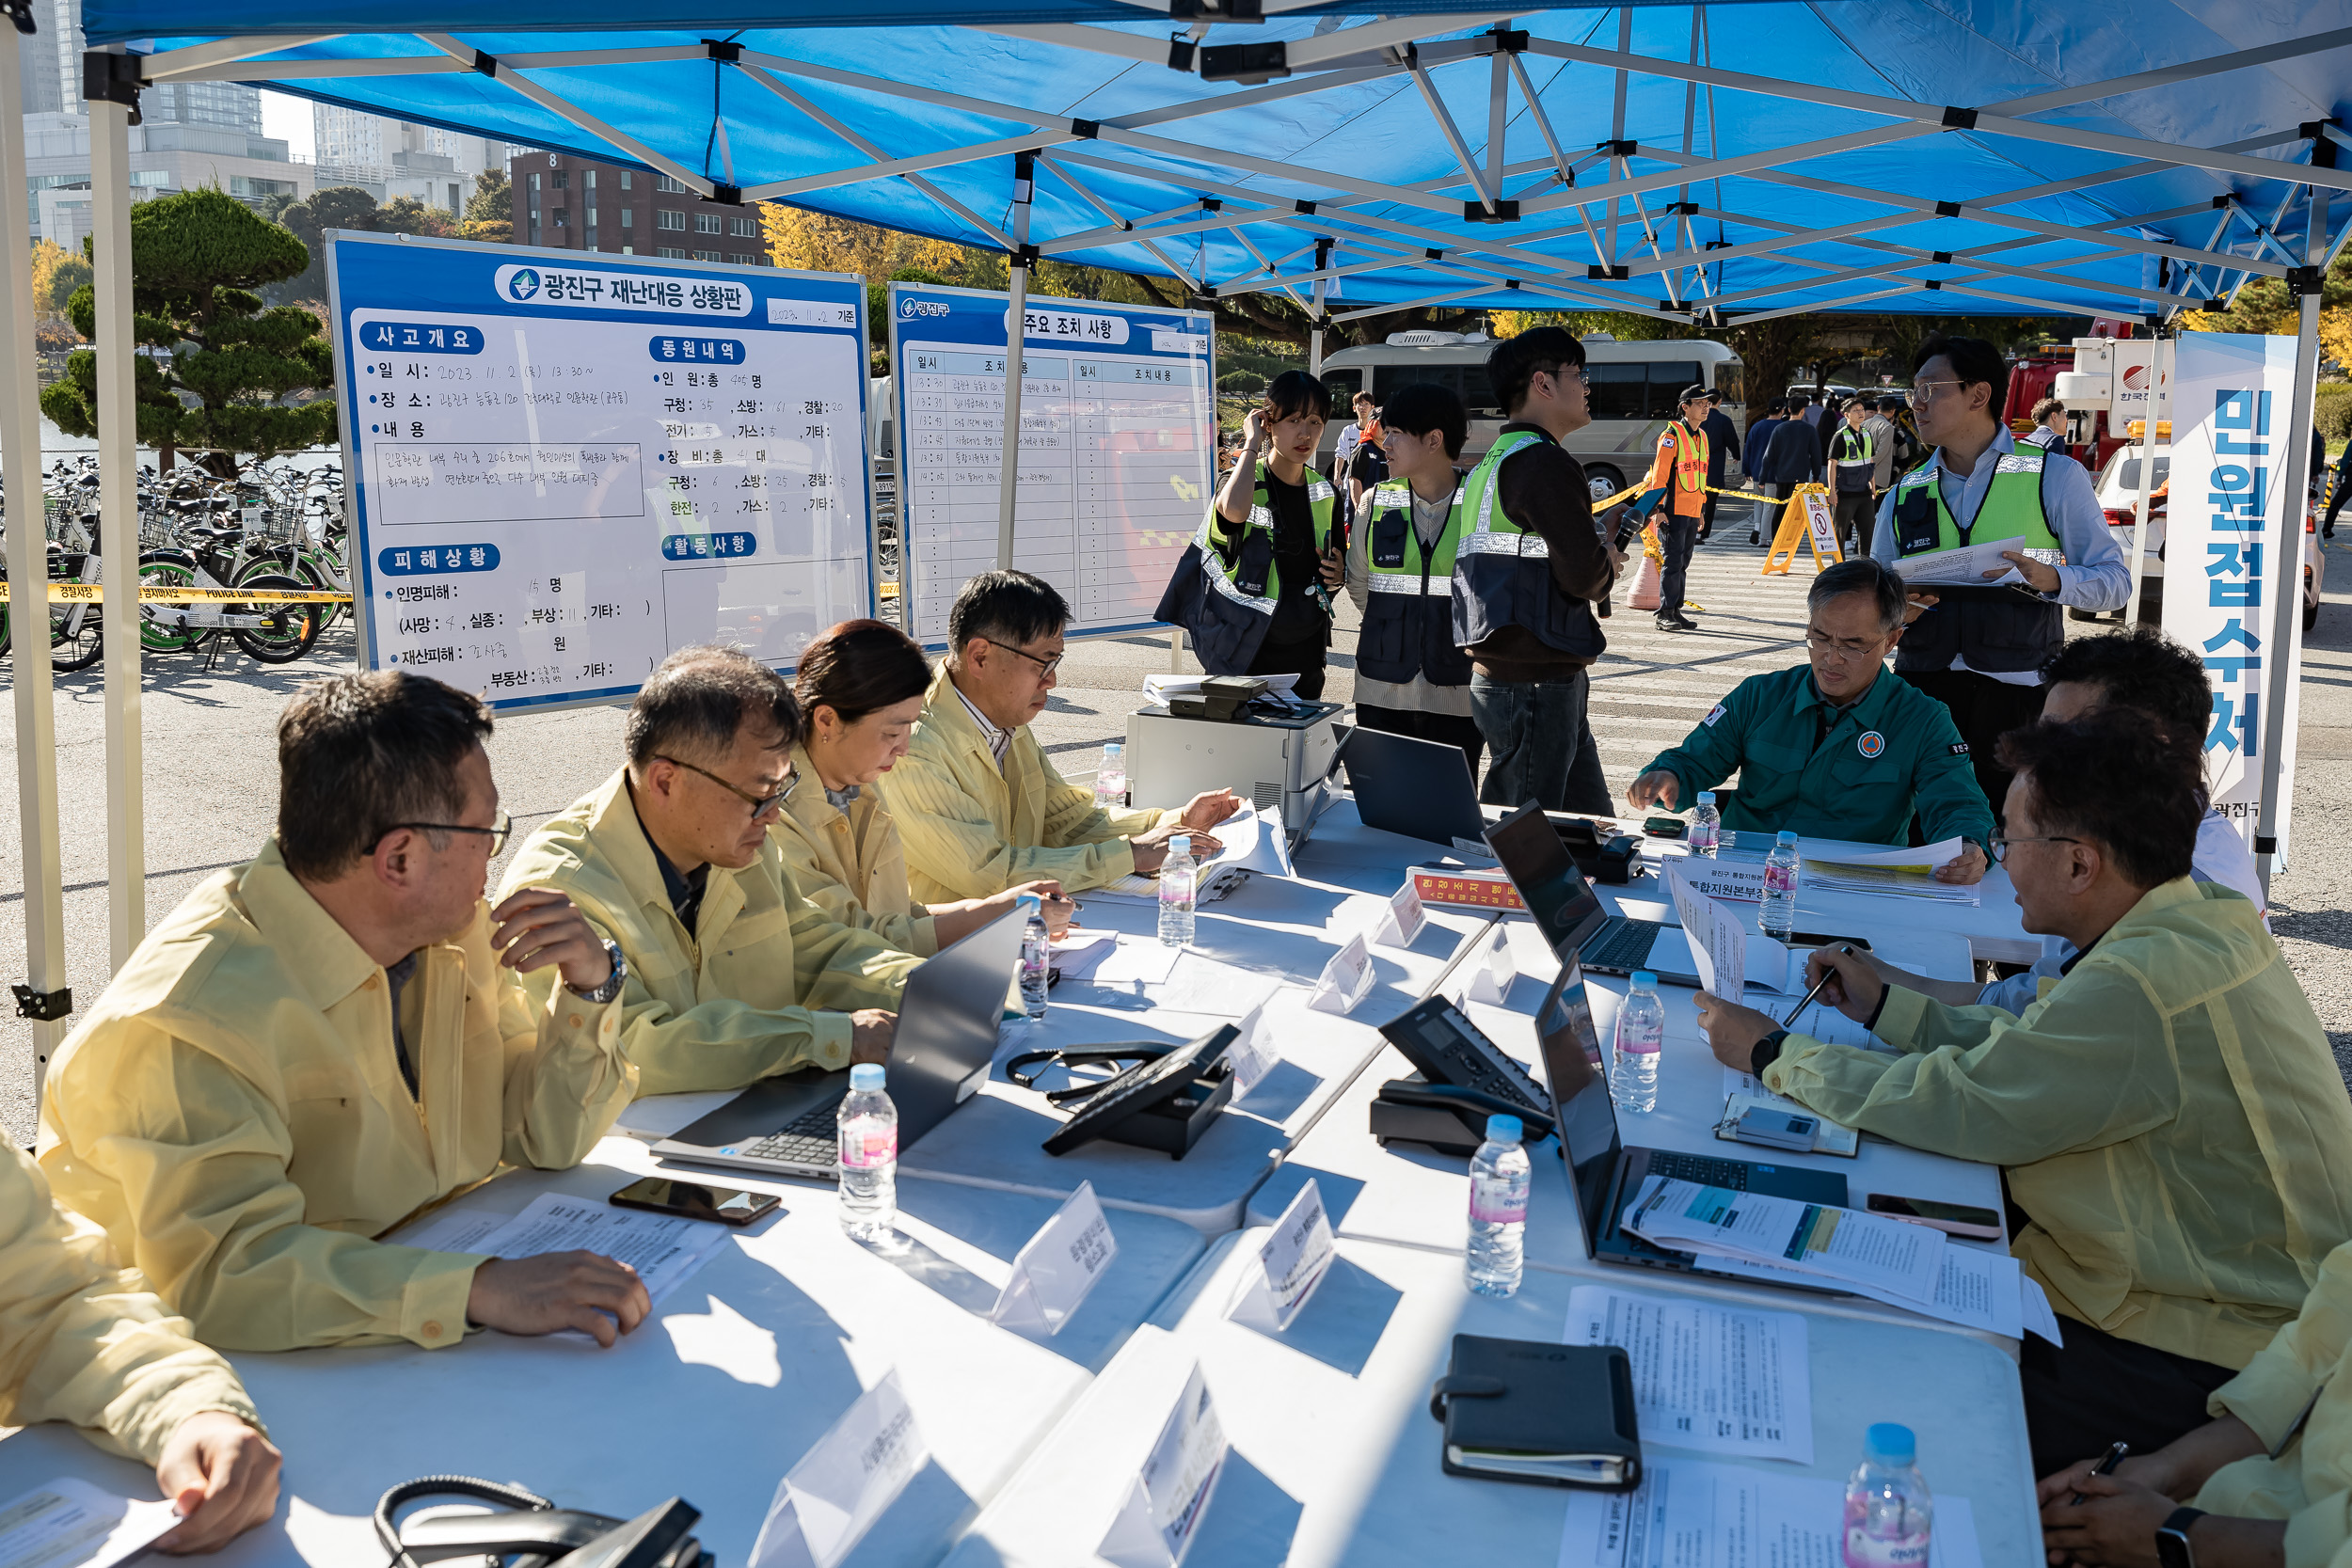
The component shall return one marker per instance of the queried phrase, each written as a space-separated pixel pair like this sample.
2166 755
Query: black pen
2106 1466
1789 1023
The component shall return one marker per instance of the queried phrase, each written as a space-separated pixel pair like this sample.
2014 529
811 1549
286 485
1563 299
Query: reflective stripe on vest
2011 510
1689 465
1320 499
1420 571
1851 432
1488 535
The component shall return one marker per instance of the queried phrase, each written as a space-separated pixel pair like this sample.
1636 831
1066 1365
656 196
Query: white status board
1118 442
565 464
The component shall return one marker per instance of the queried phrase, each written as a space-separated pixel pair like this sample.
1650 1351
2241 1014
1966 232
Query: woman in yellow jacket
861 687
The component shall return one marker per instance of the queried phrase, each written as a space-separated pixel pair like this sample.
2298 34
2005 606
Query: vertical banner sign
2229 526
565 464
1117 447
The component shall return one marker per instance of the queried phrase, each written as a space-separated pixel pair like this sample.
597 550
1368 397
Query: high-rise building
389 158
579 204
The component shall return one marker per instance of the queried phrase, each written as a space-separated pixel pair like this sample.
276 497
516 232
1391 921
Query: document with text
1721 1379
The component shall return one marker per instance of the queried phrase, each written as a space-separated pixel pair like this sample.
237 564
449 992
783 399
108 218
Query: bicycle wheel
287 630
75 641
164 637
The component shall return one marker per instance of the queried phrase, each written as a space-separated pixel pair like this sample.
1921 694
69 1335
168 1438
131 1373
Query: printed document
664 1249
71 1524
1968 566
1708 1377
1847 1246
1690 1514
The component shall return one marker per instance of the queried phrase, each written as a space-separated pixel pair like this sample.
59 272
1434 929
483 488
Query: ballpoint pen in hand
1806 1001
2105 1466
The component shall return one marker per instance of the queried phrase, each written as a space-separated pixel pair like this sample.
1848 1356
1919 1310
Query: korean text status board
1117 447
567 466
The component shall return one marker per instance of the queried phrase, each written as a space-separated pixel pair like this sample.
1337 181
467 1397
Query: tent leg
1016 343
119 528
28 566
2281 695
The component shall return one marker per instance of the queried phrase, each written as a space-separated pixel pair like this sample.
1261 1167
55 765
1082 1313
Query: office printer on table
1233 733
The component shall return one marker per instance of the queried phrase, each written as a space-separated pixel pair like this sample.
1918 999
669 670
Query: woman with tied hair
860 689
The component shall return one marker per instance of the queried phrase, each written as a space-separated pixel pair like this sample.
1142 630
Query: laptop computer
1606 1173
1418 788
1569 912
939 1058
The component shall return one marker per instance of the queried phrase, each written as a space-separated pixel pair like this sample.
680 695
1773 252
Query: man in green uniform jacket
1835 748
2175 1138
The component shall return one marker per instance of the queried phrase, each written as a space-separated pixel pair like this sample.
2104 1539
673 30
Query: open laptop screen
1580 1095
1546 879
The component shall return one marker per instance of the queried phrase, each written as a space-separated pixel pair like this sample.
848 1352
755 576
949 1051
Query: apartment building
574 204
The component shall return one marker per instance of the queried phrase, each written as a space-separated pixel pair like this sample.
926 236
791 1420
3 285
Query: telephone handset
533 1532
1465 1078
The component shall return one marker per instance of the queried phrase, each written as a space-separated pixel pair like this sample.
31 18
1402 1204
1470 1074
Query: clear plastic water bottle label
1863 1551
868 1147
1780 878
1494 1202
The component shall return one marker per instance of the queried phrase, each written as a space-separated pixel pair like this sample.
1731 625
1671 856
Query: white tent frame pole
1755 316
2284 647
1498 119
117 529
1453 133
1711 168
28 564
2157 406
554 103
1164 231
1412 304
179 64
298 70
871 151
1016 362
776 190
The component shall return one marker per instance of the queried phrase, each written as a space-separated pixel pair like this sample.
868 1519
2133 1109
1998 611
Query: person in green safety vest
1410 679
1980 650
1254 588
1526 573
1852 461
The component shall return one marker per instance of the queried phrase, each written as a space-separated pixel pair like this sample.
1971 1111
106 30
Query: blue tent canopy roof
1980 157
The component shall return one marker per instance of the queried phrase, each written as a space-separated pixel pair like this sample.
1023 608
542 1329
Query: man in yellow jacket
2267 1481
733 977
2174 1126
84 1341
320 1042
979 807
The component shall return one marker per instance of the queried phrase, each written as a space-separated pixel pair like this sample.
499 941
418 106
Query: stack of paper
1971 566
663 1249
1842 1246
1724 1379
1692 1511
1159 687
1250 844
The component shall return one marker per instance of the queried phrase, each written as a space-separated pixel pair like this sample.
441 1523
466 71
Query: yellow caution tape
95 592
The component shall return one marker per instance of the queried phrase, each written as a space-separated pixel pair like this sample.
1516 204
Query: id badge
1915 524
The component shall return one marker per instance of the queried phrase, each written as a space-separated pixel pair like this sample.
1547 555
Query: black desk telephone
533 1532
1461 1078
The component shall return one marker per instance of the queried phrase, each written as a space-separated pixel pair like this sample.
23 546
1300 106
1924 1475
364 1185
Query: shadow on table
1342 1325
1251 1521
949 1278
1280 1094
1339 1193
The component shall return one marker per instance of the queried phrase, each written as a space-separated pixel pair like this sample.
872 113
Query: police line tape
1639 490
94 593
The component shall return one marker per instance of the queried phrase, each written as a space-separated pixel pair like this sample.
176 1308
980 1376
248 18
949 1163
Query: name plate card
1291 1264
1490 978
1166 1503
1346 979
1059 1266
1252 1055
1405 919
845 1481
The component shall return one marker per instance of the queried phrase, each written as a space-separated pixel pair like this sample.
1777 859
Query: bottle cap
865 1075
1707 797
1644 977
1180 845
1787 838
1887 1443
1028 903
1110 746
1504 1129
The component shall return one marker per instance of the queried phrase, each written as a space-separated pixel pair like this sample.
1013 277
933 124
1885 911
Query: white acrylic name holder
1252 1055
1346 979
1060 1264
1491 978
1405 919
1294 1260
1167 1501
844 1483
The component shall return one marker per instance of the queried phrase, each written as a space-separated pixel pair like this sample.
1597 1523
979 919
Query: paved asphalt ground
210 765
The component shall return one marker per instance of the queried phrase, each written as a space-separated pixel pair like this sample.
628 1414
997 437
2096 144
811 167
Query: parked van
1633 391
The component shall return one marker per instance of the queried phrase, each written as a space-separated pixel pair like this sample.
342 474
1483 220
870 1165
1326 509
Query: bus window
1478 394
1388 379
1617 390
1668 380
1344 383
1731 382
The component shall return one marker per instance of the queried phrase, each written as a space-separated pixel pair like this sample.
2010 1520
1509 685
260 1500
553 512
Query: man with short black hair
1834 748
2170 1120
1980 650
1410 679
1852 461
733 977
320 1042
1723 449
978 805
1524 579
1680 468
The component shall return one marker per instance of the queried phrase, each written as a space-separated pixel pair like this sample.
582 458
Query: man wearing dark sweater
1530 562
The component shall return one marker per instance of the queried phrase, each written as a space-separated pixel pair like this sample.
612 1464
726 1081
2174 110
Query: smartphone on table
1954 1219
659 1195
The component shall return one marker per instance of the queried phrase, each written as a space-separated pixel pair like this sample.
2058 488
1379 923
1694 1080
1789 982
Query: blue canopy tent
1716 163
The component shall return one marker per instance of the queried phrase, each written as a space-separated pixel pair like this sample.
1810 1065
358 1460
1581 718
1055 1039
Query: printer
1276 752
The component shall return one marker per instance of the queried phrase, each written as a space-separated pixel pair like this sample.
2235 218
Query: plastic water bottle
1641 1035
1707 826
1497 1211
1110 780
869 1156
1179 879
1037 955
1888 1512
1777 915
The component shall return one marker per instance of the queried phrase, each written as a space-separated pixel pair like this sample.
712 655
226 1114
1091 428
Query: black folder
1548 1415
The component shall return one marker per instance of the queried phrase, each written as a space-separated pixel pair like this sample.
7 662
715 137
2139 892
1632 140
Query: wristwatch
611 987
1766 1053
2173 1547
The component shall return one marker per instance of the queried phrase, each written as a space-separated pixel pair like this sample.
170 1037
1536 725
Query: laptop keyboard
1621 945
815 1139
1701 1169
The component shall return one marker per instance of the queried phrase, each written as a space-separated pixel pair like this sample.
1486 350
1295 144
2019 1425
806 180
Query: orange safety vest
1682 455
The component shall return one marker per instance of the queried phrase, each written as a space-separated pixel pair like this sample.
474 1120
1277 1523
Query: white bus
1633 392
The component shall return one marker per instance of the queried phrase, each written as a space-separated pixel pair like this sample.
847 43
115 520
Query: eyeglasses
1842 647
497 832
1924 392
1045 666
760 804
1583 376
1997 846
